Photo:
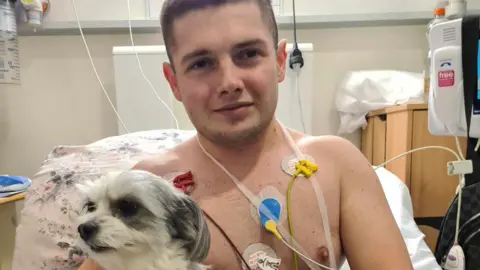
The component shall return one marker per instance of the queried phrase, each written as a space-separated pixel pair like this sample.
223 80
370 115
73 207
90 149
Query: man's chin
234 134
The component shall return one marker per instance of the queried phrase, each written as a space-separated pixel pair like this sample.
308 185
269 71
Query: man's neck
270 137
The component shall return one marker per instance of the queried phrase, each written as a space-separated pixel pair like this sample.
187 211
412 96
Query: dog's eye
127 207
90 206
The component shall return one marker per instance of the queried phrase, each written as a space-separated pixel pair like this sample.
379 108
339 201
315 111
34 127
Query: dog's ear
187 224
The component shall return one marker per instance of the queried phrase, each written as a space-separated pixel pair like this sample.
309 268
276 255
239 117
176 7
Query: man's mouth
234 106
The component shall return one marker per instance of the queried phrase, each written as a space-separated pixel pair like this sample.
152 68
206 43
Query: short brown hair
174 9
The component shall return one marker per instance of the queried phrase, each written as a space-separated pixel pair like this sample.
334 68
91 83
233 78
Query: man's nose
230 78
88 230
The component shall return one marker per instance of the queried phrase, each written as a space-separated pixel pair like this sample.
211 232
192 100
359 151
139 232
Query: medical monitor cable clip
296 58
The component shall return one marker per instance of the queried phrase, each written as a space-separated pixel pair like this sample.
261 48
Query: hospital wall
61 102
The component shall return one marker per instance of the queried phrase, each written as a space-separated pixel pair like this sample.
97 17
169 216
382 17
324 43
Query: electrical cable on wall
296 59
299 98
94 68
138 62
141 69
296 62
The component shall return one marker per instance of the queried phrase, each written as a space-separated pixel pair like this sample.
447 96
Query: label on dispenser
446 78
9 56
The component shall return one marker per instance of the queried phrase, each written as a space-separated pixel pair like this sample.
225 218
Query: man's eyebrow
241 45
194 54
249 43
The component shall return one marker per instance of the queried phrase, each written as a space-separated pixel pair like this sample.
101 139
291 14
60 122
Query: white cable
461 179
459 148
297 91
477 146
459 157
418 149
141 69
459 205
94 68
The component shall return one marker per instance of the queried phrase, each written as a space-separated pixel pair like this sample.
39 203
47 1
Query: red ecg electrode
184 182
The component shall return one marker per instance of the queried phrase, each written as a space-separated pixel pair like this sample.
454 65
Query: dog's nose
87 230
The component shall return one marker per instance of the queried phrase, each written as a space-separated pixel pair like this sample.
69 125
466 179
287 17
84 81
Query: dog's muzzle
88 230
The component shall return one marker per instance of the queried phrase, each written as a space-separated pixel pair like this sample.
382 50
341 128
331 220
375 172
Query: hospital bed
46 230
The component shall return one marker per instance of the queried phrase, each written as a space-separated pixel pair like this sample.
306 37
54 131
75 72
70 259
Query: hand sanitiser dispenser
446 103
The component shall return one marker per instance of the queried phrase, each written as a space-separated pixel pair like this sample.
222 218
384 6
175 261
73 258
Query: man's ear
281 60
169 74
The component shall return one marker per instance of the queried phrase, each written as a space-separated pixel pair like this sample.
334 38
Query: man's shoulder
329 144
340 151
163 162
345 155
158 163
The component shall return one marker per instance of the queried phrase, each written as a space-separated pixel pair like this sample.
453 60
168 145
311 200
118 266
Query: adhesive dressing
294 245
261 257
288 163
273 193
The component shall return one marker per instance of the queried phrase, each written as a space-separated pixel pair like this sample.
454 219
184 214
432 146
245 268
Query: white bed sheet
398 198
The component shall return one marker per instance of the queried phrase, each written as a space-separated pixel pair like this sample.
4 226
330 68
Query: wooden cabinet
398 129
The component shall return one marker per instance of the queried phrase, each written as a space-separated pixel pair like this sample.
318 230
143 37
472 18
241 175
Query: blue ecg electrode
271 205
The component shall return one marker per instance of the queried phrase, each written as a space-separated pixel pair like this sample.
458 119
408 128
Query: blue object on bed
10 184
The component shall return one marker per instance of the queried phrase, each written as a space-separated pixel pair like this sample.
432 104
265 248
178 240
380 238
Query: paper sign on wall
9 57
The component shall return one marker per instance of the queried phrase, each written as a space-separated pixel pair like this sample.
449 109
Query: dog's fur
141 221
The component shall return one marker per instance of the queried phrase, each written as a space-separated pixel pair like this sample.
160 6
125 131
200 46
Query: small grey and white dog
136 220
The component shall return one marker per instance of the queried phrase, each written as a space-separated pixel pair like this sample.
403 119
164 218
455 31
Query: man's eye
248 54
90 206
199 64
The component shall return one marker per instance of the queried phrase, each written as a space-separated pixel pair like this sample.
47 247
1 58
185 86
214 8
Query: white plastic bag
363 91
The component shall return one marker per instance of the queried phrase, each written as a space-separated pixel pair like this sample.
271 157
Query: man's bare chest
234 217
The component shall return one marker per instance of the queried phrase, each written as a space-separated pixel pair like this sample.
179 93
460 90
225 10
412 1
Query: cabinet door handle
14 221
383 117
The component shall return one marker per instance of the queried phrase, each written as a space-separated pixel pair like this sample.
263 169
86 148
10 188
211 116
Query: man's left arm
370 236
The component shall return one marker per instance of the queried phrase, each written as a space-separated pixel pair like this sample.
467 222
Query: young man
226 63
